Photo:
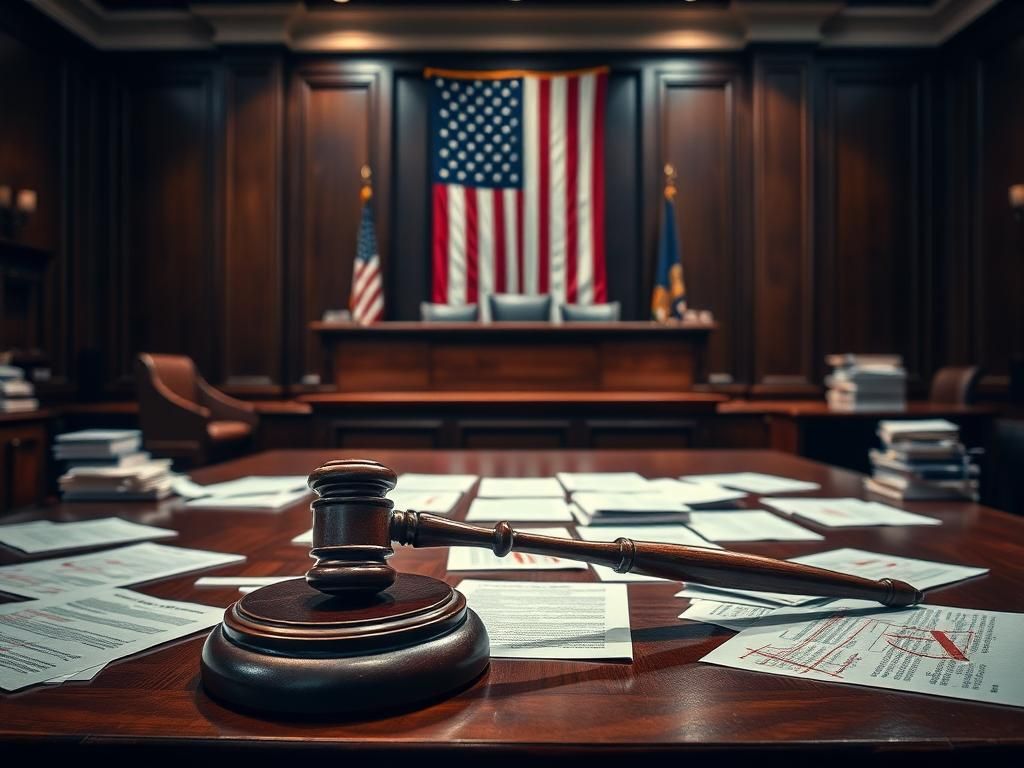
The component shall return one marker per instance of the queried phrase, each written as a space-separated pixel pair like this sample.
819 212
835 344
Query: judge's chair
184 418
590 313
448 313
518 308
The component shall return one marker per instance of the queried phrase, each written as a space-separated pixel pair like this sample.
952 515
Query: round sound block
288 648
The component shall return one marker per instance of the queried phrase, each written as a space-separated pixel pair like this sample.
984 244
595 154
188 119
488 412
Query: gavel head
351 528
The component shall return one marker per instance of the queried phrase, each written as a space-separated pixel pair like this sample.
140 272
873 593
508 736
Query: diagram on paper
835 644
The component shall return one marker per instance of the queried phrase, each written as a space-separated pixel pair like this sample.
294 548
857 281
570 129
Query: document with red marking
931 649
479 559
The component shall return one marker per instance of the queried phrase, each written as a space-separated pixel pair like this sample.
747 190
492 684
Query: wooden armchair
183 417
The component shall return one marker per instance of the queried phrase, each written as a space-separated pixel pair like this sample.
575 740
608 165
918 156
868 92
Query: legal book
922 470
919 430
16 388
920 491
122 460
97 443
20 405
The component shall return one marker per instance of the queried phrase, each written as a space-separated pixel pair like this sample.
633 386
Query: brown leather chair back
176 372
955 385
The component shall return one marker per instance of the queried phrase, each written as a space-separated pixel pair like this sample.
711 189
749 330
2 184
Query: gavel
354 638
354 526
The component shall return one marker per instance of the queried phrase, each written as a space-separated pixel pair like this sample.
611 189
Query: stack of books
922 459
866 383
16 393
109 465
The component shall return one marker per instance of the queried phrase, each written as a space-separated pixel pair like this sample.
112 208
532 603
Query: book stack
108 465
866 383
16 393
922 459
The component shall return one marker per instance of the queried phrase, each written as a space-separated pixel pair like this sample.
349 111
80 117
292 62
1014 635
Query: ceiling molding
634 26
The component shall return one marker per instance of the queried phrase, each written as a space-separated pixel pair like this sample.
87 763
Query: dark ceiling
181 4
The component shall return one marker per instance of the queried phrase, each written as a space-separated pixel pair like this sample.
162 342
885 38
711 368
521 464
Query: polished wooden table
665 705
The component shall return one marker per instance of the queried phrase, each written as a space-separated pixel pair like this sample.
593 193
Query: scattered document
258 485
480 559
755 482
956 652
46 536
101 570
846 513
552 620
603 482
241 582
695 494
520 487
255 492
731 597
413 481
519 510
665 534
923 574
434 502
59 637
269 502
732 616
744 525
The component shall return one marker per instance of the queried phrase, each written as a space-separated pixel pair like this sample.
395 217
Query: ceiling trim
635 26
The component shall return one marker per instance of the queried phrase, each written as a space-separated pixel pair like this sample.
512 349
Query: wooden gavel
354 525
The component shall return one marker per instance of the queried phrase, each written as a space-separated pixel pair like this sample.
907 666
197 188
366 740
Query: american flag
367 300
517 162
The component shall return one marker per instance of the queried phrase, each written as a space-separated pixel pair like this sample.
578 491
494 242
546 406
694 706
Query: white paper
845 513
57 638
269 502
220 582
604 482
521 510
729 615
694 493
666 534
101 570
955 652
599 503
46 536
414 481
552 620
755 482
520 487
923 574
434 502
258 485
697 592
748 525
184 486
479 559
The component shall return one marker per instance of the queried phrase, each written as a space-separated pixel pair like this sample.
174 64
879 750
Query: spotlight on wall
15 209
1017 201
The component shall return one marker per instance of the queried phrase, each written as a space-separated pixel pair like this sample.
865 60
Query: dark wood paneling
169 268
335 130
874 289
700 124
783 205
253 292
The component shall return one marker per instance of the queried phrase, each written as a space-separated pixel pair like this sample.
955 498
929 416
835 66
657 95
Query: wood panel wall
828 202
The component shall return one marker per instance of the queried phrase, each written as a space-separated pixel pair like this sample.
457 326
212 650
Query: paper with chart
552 620
46 536
849 512
434 502
666 534
520 487
101 570
519 510
64 637
923 574
415 481
480 559
241 582
729 615
748 525
755 482
930 649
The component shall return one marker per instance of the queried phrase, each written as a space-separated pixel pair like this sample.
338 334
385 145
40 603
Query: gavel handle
713 567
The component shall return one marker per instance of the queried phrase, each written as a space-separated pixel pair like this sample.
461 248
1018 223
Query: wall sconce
15 209
1017 201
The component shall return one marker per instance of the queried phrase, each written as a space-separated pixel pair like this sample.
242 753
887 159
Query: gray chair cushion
448 313
512 307
593 313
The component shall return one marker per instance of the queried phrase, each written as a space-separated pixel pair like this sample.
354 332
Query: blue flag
669 297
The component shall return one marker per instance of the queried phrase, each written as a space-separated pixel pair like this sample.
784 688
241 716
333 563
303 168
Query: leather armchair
520 308
448 313
183 417
955 385
591 313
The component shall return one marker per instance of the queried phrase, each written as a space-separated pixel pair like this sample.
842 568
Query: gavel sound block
355 637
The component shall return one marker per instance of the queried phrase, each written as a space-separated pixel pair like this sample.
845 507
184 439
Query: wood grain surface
664 702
